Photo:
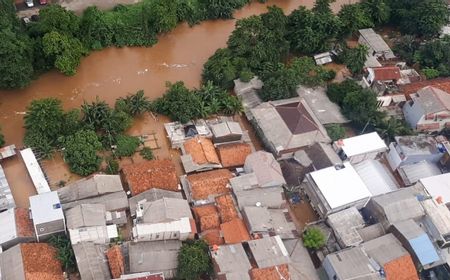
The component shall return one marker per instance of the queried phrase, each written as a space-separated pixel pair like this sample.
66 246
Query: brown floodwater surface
113 72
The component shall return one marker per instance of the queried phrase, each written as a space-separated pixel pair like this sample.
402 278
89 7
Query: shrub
246 75
313 238
335 131
147 153
126 145
430 73
112 166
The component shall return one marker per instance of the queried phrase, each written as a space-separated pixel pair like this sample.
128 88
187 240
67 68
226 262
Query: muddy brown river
113 72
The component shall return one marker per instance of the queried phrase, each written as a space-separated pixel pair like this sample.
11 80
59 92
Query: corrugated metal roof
35 171
412 173
151 195
90 187
11 264
384 249
352 263
362 144
376 42
269 251
165 210
8 230
266 168
376 176
424 249
231 258
86 215
91 261
112 201
6 198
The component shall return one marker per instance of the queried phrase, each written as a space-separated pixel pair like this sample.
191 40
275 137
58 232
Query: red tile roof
386 73
116 261
232 155
207 216
151 174
235 231
401 269
40 262
278 272
226 207
209 183
440 83
23 223
202 150
212 237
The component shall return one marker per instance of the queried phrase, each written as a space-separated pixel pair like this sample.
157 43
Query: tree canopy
313 238
126 145
2 138
354 58
354 17
193 260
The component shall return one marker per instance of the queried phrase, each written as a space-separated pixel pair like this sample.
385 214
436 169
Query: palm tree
393 127
137 103
96 114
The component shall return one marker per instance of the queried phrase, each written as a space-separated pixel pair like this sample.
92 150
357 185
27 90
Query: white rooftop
150 231
340 186
438 186
361 144
35 171
46 208
8 229
97 234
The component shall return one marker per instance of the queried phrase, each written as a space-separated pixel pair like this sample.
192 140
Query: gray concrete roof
231 258
412 173
85 215
151 195
345 224
11 264
263 220
112 201
301 266
165 210
384 249
326 111
6 198
268 197
417 145
376 42
371 232
433 100
244 182
226 128
91 261
269 251
352 263
267 170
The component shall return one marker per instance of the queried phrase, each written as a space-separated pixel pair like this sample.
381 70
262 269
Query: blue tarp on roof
424 249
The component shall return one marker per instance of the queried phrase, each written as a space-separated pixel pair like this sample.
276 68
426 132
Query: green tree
379 10
280 83
353 18
126 145
430 73
216 9
405 47
360 106
112 166
220 69
65 252
355 58
95 31
313 238
2 138
71 122
54 18
323 6
147 153
435 55
392 127
335 131
134 104
80 152
161 15
193 260
336 92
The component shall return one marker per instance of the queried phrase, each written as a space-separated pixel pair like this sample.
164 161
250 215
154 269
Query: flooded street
111 73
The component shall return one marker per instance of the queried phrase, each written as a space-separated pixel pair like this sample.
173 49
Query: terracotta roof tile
209 183
116 261
212 237
151 174
401 269
202 150
232 155
226 207
386 73
40 262
23 223
440 83
235 231
207 216
278 272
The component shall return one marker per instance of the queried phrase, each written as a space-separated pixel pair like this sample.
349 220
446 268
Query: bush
147 153
335 131
246 75
193 260
126 145
430 73
65 252
112 166
313 238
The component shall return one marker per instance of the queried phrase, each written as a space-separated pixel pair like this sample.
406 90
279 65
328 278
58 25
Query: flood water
111 73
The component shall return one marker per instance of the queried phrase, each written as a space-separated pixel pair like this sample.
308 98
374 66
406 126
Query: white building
35 171
438 187
47 214
358 148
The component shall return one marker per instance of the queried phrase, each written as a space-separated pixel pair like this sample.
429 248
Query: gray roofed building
90 187
295 169
16 227
231 261
345 225
301 266
86 215
384 249
269 251
248 94
322 156
244 181
151 195
163 210
227 131
6 198
371 232
350 263
268 222
437 221
154 256
396 206
326 111
47 215
288 125
266 169
377 46
266 197
376 176
112 201
412 173
91 261
11 264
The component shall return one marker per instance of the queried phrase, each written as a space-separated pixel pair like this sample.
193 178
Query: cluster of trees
81 134
182 104
193 260
59 39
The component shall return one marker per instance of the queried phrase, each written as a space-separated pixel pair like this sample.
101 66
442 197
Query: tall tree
353 18
193 260
323 6
80 152
58 19
379 10
355 58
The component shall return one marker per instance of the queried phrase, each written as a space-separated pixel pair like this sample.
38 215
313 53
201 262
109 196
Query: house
16 228
438 187
116 261
262 222
154 257
382 79
164 219
377 46
230 262
335 188
266 197
376 176
87 223
48 217
160 174
6 197
322 156
207 217
418 243
371 232
150 195
408 150
327 112
286 126
234 231
395 207
97 189
225 132
202 188
428 110
345 225
437 222
178 133
233 155
323 58
358 148
91 261
276 272
295 169
30 261
412 173
35 171
268 252
349 264
266 169
143 275
390 255
199 154
226 207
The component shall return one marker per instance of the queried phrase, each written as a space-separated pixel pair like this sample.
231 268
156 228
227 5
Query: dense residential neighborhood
298 140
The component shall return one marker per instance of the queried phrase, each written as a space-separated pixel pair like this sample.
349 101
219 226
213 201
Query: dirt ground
303 213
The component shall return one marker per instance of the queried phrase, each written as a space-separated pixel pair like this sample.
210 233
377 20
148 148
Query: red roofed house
233 155
382 78
160 174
